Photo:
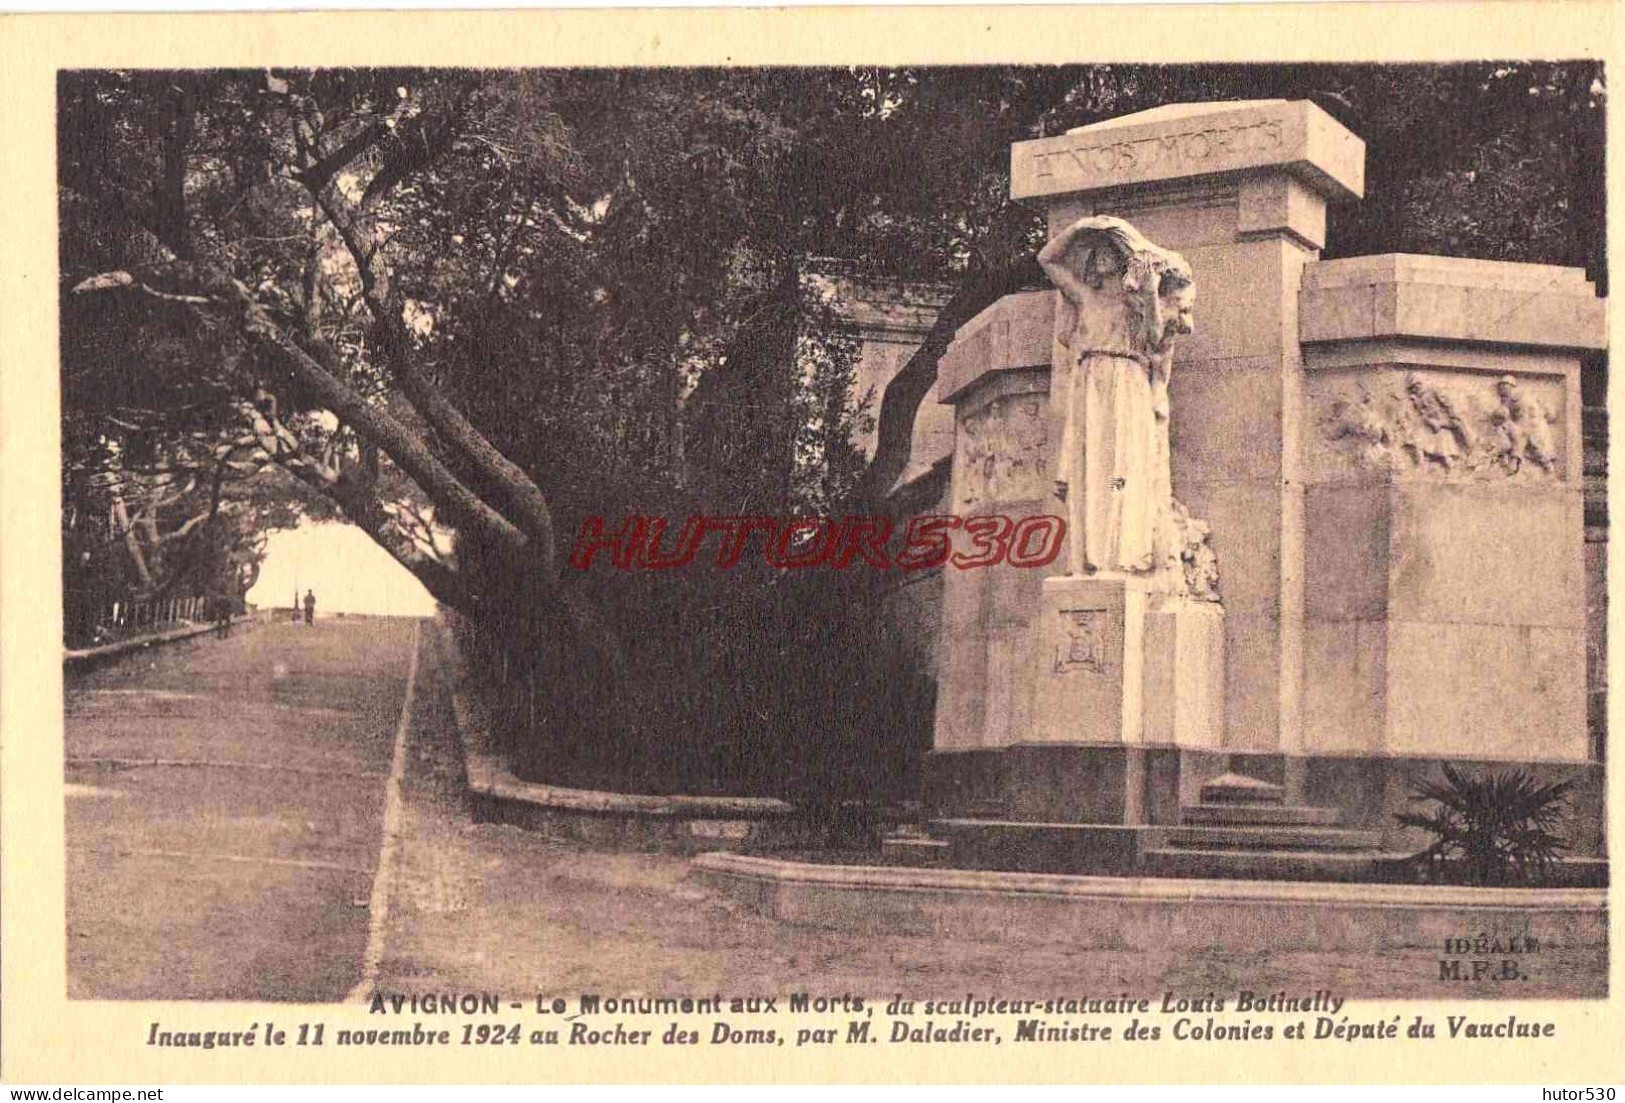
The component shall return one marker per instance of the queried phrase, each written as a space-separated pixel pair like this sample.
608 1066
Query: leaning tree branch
108 281
227 296
364 510
411 145
362 239
319 175
132 542
189 549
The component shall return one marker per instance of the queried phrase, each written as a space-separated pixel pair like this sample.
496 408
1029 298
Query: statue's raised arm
1089 233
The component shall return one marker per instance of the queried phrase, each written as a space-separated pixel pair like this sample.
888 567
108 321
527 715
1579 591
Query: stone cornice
1402 296
1187 141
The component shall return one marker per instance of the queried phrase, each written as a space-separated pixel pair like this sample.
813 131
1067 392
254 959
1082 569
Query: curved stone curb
76 656
1155 914
685 824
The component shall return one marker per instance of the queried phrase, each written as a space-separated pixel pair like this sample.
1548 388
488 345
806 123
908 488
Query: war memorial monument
1324 535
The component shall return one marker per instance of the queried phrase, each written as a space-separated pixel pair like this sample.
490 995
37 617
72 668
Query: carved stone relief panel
1437 425
1003 451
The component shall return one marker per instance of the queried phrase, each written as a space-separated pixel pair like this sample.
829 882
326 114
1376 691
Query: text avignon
436 1003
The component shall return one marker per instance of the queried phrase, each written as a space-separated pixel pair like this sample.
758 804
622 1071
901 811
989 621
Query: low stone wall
1119 913
83 658
616 821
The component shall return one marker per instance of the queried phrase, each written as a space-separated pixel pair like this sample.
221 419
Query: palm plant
1501 827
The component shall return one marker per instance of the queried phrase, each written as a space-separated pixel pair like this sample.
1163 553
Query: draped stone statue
1123 301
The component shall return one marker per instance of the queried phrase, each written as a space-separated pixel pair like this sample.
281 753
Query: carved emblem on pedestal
1083 642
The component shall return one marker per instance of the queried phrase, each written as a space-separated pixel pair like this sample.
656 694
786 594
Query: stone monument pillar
1387 450
1239 192
1445 501
1130 635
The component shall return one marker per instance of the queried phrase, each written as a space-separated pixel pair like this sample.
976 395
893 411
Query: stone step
1282 837
1248 815
915 850
1074 848
1271 865
1241 789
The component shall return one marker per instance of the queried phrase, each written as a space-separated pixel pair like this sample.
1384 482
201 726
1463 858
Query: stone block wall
1594 438
1401 473
892 318
1445 609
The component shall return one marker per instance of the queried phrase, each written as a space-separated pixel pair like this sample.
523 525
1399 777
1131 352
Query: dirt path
224 811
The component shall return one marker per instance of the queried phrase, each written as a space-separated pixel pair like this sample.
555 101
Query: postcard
1003 544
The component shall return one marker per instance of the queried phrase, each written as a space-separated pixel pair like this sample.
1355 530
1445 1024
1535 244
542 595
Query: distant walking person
310 606
222 615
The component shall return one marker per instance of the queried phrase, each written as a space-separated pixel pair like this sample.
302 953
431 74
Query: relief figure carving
1436 432
1003 450
1524 425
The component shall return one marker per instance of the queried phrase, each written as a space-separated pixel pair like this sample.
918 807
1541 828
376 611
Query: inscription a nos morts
1169 153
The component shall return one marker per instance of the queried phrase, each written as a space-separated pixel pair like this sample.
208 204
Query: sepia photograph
855 558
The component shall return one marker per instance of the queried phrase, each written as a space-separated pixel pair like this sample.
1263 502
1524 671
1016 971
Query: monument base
1067 783
1121 665
1126 680
1070 848
1058 783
